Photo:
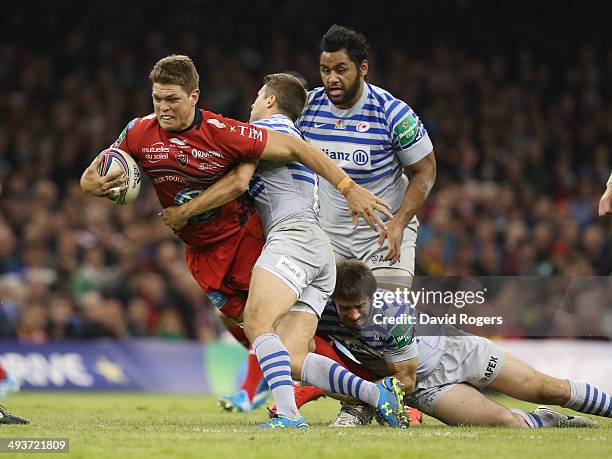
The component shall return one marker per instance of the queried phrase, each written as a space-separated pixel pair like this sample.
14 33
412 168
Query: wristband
344 185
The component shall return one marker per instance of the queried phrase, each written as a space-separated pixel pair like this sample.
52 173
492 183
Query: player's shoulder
279 123
220 123
316 96
135 130
143 122
384 99
213 119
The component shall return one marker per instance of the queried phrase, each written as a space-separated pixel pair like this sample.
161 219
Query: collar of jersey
197 122
277 116
340 113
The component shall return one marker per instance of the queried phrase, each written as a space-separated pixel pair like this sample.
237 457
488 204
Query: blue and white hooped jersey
282 190
372 141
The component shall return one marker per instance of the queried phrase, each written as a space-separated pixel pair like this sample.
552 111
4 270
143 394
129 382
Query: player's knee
253 328
256 324
296 368
297 354
513 420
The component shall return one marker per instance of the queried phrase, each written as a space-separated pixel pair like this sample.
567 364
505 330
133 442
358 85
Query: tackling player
443 375
295 273
185 150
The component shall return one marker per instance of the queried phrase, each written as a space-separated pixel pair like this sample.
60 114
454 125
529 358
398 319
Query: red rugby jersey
183 164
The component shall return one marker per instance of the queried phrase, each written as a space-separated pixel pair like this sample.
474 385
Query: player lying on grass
444 375
185 150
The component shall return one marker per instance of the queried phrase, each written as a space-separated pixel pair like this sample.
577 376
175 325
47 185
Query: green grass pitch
165 426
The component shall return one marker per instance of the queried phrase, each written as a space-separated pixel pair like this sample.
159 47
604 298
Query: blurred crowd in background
521 122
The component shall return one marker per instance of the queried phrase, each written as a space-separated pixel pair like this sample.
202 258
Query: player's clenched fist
93 183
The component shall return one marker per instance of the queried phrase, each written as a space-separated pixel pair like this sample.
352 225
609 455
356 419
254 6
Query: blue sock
589 399
326 374
276 367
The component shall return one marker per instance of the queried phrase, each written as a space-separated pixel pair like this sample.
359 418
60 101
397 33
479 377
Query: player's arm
95 184
235 183
361 202
605 203
401 351
422 177
405 372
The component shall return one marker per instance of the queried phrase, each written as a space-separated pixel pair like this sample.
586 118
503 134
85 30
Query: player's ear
270 101
194 96
363 68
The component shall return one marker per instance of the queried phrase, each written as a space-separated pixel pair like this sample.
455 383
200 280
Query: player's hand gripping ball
113 160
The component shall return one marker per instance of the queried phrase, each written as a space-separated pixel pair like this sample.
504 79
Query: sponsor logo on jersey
340 125
377 259
155 157
157 147
124 132
246 131
182 159
176 141
215 122
187 195
200 154
360 157
217 299
347 155
169 178
121 137
363 127
406 130
403 335
493 361
290 269
209 166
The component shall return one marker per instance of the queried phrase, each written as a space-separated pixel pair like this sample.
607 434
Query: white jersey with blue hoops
282 190
372 141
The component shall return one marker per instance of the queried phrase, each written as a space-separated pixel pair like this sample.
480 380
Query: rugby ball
113 160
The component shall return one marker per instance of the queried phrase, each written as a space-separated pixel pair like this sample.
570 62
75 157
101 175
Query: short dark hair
176 69
339 37
289 92
353 279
